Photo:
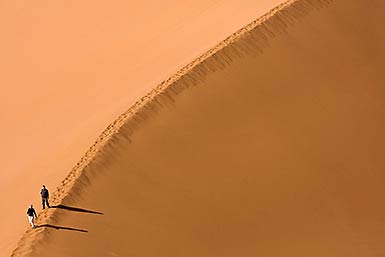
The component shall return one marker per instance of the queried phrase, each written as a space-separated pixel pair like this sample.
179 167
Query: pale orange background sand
69 68
279 154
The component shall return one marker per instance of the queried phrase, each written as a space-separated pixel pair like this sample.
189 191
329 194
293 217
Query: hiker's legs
31 218
44 201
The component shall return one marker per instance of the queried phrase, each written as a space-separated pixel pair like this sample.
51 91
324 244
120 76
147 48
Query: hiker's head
43 186
31 206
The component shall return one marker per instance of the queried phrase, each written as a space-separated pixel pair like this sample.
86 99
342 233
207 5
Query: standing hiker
44 196
31 216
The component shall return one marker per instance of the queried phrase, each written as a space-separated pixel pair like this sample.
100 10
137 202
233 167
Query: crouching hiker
31 215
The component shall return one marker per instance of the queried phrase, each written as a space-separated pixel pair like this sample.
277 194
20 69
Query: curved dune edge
251 39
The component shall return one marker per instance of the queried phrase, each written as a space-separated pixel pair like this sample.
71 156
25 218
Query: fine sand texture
70 68
270 144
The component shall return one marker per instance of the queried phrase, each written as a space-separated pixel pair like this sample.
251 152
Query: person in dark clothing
44 196
31 215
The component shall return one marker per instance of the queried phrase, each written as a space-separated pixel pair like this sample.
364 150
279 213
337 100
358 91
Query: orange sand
278 154
68 69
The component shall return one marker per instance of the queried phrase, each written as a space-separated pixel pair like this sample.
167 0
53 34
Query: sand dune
68 69
270 144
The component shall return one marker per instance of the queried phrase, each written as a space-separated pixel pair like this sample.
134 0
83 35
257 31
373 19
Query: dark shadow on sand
64 228
75 209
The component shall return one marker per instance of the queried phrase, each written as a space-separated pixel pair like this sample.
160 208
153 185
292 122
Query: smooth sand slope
278 154
69 68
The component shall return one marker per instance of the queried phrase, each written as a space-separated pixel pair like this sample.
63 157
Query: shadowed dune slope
277 154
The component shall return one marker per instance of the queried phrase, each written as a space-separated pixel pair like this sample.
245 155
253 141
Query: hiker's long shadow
64 228
75 209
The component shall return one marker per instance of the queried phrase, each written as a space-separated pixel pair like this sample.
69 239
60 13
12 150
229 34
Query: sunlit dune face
68 69
278 154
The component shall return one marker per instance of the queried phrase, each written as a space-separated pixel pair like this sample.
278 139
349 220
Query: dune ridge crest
251 39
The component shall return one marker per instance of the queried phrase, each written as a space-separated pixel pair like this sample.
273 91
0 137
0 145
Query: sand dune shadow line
75 209
64 228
